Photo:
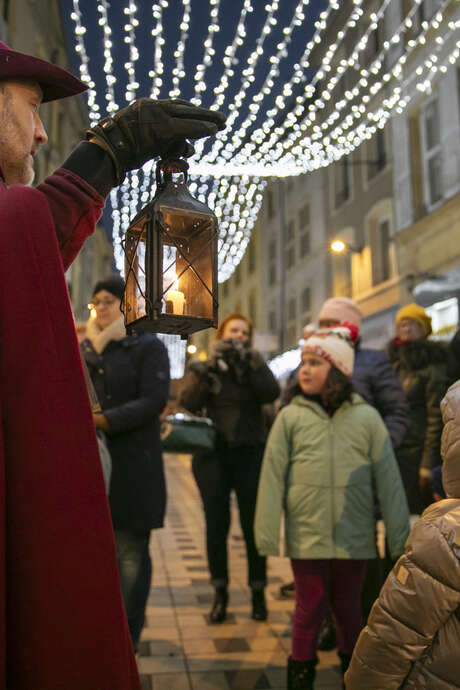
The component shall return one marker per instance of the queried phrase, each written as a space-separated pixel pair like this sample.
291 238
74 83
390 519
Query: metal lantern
171 260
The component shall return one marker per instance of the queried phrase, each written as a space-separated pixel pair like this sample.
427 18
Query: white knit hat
336 345
341 309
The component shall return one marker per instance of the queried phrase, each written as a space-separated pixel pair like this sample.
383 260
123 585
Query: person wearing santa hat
62 622
325 452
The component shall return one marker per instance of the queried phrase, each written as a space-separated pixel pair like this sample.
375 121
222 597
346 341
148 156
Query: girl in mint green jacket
325 452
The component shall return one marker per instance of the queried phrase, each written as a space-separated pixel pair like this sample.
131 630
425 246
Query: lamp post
338 246
171 260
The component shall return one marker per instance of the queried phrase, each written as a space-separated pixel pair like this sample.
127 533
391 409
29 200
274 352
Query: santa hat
336 345
54 81
341 309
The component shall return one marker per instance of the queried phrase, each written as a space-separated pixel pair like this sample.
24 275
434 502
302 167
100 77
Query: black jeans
135 569
217 475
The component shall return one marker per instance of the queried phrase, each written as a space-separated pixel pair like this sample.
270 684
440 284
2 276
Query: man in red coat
62 624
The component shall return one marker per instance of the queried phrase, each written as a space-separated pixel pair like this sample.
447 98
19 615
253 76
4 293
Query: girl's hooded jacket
320 471
412 639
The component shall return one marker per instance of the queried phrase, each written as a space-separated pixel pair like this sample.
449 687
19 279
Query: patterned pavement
180 649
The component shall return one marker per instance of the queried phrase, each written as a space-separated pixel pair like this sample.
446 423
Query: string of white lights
209 52
313 134
270 80
110 79
178 72
130 39
156 74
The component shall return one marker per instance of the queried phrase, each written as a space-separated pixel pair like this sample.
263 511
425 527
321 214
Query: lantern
171 260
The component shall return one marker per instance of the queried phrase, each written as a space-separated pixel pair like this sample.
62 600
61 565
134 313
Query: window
290 244
252 307
291 335
251 256
380 241
272 321
292 309
304 225
272 272
289 184
225 289
376 154
270 204
341 182
238 275
306 300
432 152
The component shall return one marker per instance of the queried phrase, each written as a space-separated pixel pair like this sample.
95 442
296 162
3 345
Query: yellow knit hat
417 313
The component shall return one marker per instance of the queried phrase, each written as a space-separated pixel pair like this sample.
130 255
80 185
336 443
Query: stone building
35 26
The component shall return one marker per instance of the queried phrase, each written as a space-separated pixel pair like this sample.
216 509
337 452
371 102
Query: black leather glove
149 128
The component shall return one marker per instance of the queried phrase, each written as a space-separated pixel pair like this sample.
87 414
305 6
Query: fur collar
100 338
418 354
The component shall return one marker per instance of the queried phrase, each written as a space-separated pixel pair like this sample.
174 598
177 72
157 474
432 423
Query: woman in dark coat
232 386
421 366
131 378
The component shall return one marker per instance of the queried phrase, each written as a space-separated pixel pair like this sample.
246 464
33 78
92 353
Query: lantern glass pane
135 272
187 241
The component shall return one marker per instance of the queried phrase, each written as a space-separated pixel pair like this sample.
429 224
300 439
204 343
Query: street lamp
171 260
339 247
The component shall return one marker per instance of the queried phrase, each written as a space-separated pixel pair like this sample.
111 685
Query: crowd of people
357 437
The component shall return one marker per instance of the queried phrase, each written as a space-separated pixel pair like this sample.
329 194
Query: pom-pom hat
54 81
341 309
336 345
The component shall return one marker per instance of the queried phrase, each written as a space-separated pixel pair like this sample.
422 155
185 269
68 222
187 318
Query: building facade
394 201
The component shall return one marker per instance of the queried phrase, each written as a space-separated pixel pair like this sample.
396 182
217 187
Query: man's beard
16 169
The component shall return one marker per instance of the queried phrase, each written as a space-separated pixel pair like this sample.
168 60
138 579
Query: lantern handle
167 167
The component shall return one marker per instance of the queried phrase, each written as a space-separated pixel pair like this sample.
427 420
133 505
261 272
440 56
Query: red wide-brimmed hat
54 81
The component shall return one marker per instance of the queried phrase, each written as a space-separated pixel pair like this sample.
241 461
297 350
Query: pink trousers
323 584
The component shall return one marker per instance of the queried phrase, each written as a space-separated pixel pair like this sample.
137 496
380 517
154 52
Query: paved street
180 650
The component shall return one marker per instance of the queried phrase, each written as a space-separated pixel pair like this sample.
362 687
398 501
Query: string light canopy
283 118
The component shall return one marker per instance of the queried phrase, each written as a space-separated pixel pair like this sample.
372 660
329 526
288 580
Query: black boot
301 674
344 663
219 608
288 591
259 607
327 639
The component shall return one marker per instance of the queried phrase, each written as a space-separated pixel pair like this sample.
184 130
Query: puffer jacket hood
412 637
450 441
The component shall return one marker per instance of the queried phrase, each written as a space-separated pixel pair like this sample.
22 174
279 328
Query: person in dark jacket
421 366
232 386
131 378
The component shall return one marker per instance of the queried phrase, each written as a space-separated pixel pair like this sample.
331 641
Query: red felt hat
55 82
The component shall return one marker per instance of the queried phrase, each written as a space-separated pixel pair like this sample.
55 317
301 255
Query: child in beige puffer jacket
412 639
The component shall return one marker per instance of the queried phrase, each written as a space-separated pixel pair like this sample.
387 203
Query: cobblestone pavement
180 650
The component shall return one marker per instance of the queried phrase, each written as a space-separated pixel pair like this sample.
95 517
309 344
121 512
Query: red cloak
62 622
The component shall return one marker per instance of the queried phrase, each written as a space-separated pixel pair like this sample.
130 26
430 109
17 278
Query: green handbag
181 433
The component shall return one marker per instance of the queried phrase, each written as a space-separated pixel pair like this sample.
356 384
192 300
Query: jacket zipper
332 482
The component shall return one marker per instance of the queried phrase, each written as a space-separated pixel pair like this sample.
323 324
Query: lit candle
175 301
